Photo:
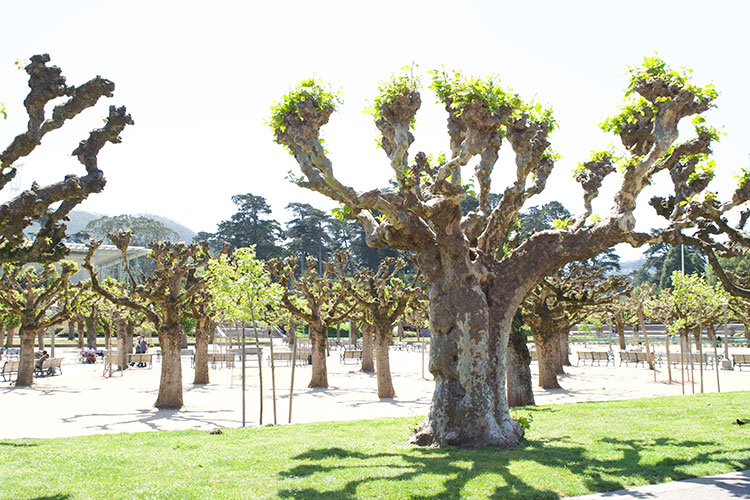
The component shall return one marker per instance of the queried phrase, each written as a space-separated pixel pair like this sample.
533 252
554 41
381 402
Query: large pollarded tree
382 297
553 306
476 282
161 297
40 298
50 205
326 303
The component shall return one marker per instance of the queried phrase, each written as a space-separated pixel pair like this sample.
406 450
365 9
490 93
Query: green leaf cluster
629 115
312 88
341 212
3 111
743 178
655 68
705 166
462 90
396 86
701 128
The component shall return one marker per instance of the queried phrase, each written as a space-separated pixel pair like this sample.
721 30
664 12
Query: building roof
104 256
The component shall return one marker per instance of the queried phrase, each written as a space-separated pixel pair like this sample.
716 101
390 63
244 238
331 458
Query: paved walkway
722 487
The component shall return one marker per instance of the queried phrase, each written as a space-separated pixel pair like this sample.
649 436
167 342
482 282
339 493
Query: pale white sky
199 79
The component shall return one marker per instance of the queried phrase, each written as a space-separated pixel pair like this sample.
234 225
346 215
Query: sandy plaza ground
81 401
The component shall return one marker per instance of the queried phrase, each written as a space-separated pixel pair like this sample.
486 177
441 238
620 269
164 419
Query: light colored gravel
81 401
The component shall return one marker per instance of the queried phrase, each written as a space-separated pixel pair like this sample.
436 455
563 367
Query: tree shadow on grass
489 472
18 445
53 497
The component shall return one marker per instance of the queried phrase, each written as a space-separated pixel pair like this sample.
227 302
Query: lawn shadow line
597 475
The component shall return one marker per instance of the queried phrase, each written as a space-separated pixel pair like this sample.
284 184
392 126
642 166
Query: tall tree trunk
467 360
91 322
183 339
10 339
129 334
292 330
71 330
40 340
401 331
518 359
170 385
564 343
548 356
385 382
367 363
26 358
211 331
352 332
79 333
202 331
620 333
3 329
318 333
123 348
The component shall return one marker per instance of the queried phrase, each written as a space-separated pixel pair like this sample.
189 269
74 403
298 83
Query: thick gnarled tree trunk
518 360
91 321
467 360
318 334
26 358
367 346
170 386
385 382
202 332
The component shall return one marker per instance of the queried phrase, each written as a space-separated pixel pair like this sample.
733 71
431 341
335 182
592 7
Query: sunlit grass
570 450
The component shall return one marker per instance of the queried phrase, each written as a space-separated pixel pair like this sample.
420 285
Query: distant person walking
141 347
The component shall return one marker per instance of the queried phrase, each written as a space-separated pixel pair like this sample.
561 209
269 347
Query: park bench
286 357
592 356
741 359
225 358
9 368
49 367
674 358
633 357
356 355
141 358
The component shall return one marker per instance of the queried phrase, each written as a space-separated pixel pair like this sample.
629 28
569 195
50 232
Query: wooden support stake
291 389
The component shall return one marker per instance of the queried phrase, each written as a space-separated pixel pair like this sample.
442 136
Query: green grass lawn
570 449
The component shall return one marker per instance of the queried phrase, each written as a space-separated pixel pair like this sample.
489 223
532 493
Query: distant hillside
80 218
629 266
186 234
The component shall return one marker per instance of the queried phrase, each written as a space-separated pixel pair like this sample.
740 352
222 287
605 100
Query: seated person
40 360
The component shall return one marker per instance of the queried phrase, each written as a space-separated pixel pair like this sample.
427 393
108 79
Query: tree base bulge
506 434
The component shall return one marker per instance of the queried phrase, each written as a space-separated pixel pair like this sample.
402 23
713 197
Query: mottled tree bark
170 385
40 340
123 348
368 366
467 360
71 330
26 357
385 382
518 359
202 331
319 368
547 354
564 343
91 323
10 339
